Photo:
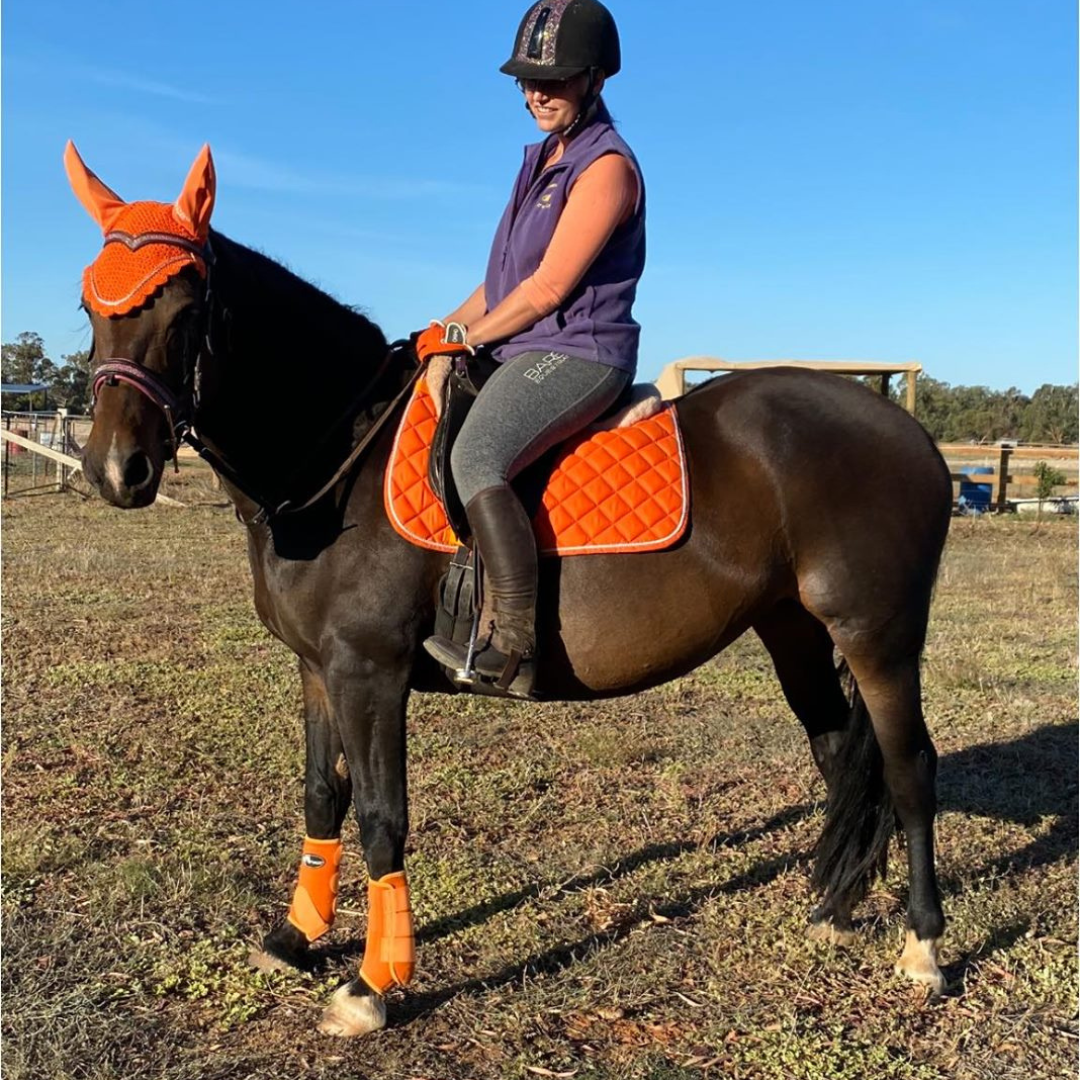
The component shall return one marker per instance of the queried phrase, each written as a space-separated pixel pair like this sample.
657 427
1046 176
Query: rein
179 409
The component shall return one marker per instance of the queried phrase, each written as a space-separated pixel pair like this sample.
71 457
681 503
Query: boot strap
509 674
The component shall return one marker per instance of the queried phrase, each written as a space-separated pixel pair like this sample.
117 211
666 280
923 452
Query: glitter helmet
558 39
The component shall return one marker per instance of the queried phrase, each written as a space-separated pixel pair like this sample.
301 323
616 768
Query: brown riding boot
506 646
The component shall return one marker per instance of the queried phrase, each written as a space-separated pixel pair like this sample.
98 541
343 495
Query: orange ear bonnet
120 279
146 243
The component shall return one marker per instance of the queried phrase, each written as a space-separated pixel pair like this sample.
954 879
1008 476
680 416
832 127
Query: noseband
178 409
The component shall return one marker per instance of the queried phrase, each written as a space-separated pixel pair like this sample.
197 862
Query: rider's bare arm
469 310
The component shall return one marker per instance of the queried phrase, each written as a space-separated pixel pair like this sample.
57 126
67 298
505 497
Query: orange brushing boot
390 950
315 900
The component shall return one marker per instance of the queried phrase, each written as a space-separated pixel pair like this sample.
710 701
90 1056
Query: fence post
7 457
61 437
1003 478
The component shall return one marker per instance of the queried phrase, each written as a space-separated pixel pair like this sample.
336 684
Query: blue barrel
975 498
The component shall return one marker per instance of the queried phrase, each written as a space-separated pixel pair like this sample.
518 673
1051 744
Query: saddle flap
459 392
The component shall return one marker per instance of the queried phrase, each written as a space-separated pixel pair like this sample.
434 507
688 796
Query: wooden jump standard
672 381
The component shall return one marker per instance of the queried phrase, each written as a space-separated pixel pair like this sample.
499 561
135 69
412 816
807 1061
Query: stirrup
514 680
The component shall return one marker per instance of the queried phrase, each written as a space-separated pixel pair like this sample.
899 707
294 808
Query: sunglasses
547 87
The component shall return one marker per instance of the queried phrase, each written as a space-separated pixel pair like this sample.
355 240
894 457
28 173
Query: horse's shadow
1021 781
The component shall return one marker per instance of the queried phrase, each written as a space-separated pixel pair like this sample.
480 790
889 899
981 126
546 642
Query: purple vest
594 321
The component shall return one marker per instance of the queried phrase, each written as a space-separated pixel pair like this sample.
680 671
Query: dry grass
602 891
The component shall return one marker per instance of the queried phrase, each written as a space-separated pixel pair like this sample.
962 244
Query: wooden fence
672 380
1013 474
40 451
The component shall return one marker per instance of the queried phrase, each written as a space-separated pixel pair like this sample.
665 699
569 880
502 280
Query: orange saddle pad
610 491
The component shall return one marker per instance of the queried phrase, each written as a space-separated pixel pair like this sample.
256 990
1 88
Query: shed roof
23 388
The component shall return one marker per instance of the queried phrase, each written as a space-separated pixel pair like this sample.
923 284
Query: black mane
290 359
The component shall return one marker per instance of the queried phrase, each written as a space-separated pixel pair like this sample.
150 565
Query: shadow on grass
603 875
562 957
1024 780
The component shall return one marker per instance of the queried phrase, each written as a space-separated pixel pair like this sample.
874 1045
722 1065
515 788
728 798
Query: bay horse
819 510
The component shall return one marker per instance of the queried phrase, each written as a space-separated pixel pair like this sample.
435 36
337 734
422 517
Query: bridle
179 408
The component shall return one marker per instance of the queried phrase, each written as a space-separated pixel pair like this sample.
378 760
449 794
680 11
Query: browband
133 243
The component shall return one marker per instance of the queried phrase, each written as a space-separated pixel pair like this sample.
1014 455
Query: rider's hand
428 341
440 340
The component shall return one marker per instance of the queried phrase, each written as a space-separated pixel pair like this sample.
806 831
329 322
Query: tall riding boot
506 646
504 535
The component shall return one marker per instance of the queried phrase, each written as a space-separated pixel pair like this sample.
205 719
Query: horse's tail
859 822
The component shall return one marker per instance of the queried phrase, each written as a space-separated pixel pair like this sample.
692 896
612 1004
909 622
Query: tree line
949 413
24 361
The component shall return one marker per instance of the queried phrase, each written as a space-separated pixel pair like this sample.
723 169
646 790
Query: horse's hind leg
327 789
802 653
892 693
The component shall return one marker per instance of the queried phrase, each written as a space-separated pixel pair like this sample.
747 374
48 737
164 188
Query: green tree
24 361
1052 415
70 385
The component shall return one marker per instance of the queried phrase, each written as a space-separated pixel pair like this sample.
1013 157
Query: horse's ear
101 202
196 201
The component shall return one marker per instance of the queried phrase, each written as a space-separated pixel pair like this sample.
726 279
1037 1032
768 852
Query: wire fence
26 472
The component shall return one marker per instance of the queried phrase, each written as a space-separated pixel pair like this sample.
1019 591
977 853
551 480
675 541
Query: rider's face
555 103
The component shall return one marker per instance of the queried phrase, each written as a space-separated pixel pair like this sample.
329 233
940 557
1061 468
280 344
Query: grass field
601 891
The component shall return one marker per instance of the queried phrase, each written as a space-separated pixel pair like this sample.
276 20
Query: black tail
854 845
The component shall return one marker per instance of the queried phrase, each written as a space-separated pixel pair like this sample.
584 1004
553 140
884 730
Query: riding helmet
558 39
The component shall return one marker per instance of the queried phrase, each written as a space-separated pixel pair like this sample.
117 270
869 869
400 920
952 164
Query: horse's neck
286 362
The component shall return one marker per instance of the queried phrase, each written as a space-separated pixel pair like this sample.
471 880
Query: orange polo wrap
315 900
390 951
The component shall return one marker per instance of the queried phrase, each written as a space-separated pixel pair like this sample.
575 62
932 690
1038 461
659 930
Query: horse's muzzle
128 479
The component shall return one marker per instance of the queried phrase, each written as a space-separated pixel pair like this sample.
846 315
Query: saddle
619 486
608 489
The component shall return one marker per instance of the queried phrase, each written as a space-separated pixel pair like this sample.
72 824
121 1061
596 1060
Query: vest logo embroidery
544 202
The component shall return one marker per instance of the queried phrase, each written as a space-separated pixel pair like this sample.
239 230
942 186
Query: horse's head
146 294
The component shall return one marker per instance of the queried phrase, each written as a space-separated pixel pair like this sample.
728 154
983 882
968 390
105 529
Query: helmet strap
586 110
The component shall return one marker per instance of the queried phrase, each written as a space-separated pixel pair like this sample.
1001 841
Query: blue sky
853 180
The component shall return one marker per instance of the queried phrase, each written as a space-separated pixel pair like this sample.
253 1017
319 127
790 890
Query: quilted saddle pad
623 490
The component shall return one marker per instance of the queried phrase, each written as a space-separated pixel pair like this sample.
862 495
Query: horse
819 511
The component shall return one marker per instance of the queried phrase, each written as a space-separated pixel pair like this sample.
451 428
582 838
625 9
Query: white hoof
826 932
918 961
349 1014
261 960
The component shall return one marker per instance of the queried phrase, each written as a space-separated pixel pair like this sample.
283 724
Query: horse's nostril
137 470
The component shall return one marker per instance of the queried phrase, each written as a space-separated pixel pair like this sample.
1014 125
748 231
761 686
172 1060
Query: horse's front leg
326 801
369 698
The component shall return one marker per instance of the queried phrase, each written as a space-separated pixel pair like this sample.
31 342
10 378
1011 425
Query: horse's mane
284 352
260 283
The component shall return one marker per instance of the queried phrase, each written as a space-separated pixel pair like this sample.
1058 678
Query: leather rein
179 409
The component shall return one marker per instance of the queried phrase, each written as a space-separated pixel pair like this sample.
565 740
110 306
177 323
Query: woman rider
555 306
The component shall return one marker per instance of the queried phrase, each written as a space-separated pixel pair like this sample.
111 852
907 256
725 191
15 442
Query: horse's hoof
283 949
268 962
829 933
918 961
353 1013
